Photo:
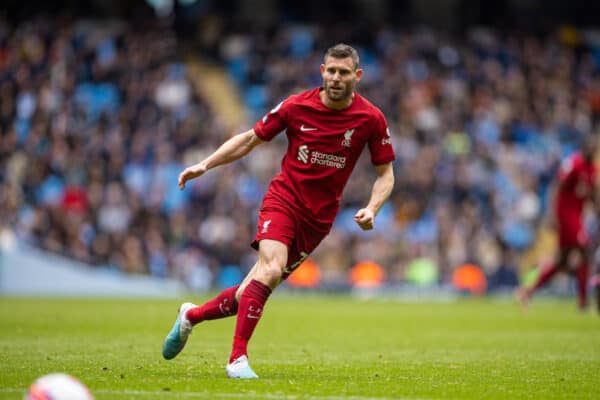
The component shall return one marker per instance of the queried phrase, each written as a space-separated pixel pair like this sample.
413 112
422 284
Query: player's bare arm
382 188
233 149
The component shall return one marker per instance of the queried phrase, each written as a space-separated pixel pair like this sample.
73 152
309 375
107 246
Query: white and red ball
58 386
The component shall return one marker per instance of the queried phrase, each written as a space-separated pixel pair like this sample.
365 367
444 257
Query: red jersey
576 185
323 147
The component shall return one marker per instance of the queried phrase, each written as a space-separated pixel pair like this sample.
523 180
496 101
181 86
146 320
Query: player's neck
336 105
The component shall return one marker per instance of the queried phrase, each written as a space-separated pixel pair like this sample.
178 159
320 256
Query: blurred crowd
98 119
95 117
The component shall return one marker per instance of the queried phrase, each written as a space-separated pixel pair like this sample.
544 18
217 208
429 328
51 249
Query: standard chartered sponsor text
329 160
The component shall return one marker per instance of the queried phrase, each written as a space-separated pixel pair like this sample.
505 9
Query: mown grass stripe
206 395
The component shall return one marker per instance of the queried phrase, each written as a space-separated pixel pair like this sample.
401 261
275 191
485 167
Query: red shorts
572 235
279 224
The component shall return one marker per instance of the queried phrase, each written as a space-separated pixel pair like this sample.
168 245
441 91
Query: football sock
596 286
224 305
546 274
252 303
581 275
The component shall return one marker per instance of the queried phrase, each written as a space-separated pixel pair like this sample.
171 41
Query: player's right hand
190 173
365 218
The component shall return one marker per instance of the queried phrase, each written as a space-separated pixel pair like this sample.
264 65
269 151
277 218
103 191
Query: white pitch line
206 395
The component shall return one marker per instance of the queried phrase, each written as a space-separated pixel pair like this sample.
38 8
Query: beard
343 93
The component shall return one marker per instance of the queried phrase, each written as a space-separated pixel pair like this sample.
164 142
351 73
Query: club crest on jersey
266 226
348 137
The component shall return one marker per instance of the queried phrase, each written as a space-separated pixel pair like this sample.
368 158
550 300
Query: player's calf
596 288
523 295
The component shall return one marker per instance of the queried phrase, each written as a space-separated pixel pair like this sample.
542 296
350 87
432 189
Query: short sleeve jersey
323 148
577 183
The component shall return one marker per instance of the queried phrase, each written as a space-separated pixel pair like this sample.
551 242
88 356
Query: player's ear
322 68
359 73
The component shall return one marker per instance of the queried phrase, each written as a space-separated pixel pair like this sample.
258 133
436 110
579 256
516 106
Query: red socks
221 306
581 275
252 302
546 274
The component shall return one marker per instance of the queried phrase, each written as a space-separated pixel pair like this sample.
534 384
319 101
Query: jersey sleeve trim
384 160
258 131
273 123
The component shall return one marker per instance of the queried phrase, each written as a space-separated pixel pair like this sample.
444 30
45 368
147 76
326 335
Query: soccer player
327 128
596 278
576 186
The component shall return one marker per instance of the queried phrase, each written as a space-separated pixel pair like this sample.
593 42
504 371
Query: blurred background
103 103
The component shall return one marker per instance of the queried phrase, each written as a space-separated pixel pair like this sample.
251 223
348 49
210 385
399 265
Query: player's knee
272 272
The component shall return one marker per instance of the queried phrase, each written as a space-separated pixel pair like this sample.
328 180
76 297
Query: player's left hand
365 218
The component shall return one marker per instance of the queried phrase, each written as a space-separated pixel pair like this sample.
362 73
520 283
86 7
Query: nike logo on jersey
306 129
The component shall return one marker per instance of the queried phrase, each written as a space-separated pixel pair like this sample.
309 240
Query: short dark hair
342 50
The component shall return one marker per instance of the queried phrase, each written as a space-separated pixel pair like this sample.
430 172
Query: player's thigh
572 234
306 241
276 232
571 257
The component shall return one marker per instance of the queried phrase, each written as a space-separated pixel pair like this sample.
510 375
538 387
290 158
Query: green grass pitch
321 348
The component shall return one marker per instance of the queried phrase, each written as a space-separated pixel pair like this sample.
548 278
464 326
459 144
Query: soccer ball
58 387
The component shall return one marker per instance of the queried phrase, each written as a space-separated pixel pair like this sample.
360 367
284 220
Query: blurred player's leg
596 278
224 305
524 294
596 289
581 275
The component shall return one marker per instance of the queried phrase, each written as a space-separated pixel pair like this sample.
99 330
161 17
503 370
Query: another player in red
327 128
576 187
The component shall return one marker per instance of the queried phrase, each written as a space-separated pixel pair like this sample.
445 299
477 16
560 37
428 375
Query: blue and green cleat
178 336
